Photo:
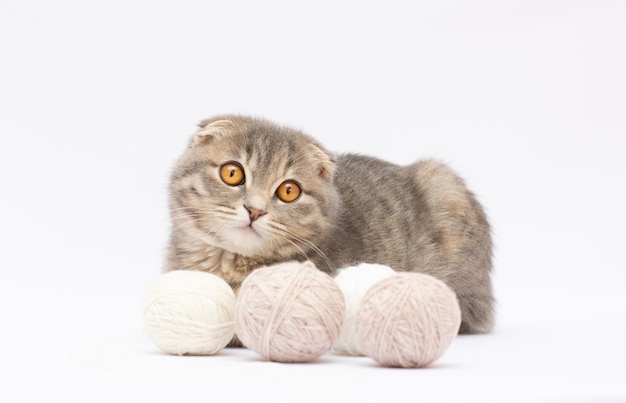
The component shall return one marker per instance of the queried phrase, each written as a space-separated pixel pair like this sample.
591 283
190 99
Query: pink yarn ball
407 320
289 312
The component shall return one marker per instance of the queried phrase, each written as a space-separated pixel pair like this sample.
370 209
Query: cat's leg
477 313
461 251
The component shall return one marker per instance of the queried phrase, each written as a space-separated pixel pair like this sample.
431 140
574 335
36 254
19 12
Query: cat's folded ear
325 161
210 130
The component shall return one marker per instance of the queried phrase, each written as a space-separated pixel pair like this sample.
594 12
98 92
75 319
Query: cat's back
356 170
370 187
425 184
420 214
381 212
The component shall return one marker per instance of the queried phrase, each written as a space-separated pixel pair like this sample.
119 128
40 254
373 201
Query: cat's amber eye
288 191
232 174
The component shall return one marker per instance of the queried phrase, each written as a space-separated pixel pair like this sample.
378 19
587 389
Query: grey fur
354 209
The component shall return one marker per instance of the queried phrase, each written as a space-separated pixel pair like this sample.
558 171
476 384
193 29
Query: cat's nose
255 213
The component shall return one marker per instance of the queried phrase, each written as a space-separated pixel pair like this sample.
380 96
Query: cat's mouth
246 240
248 233
249 229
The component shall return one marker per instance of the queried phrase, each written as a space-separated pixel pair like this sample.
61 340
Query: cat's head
253 188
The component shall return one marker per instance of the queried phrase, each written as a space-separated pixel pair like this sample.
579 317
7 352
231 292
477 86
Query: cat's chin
245 241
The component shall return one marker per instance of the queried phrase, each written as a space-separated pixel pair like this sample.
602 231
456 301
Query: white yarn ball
189 312
354 281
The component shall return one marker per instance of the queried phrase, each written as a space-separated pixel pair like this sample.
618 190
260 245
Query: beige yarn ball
289 312
189 312
354 281
407 320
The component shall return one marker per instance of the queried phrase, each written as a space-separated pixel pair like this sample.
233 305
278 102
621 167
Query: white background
527 100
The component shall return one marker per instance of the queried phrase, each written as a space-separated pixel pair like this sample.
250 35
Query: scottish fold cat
247 192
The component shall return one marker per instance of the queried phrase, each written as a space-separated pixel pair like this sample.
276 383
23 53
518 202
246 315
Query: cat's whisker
274 242
216 231
217 209
205 215
302 252
317 250
292 236
186 222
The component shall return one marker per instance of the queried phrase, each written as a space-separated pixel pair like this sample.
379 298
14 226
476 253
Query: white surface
526 99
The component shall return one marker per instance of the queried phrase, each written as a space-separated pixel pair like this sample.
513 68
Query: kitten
247 193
